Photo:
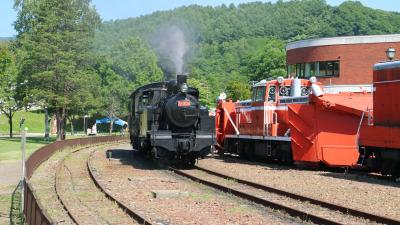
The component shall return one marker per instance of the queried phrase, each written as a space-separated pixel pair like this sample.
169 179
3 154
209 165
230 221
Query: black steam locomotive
168 123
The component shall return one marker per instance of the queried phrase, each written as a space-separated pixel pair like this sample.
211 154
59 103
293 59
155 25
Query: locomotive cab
265 114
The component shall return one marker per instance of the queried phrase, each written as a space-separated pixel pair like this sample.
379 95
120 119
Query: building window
319 69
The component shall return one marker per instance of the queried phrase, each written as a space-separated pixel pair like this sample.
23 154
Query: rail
331 206
291 211
34 212
139 218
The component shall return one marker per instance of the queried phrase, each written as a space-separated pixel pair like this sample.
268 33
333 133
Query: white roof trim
356 88
349 40
387 65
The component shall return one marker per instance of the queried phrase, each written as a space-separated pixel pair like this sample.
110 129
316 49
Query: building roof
347 40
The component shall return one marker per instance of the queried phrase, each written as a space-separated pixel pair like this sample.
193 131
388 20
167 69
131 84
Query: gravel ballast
132 180
362 192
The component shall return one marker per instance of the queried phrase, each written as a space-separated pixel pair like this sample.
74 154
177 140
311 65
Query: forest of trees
66 60
231 46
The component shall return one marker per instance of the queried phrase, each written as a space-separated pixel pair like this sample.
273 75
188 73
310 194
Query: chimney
181 79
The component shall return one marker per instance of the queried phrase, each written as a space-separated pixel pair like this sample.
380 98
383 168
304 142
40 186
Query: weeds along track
83 198
139 219
307 209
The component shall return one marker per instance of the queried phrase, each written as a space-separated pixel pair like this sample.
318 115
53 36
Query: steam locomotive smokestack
181 79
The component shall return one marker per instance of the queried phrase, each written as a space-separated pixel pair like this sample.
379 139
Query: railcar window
145 99
272 94
284 91
260 94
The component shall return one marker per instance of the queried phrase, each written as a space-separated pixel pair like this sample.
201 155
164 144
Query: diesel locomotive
293 120
168 123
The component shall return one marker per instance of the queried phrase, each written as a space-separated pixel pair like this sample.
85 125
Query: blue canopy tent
117 121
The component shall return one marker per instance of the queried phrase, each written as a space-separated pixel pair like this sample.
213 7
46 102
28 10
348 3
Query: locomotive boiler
168 123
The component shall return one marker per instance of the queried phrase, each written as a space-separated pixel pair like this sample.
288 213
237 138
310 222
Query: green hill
245 42
34 121
283 20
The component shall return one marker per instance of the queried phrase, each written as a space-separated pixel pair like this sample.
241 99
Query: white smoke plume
171 46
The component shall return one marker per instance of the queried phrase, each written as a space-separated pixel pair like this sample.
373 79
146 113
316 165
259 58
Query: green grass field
33 120
10 148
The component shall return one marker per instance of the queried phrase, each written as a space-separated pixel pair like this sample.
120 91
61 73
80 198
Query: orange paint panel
245 117
386 96
380 136
324 132
222 123
339 155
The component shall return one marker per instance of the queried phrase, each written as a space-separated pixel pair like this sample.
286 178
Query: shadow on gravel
130 157
255 162
338 173
139 161
364 177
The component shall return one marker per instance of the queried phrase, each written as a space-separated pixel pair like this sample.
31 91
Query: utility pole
84 124
46 125
23 148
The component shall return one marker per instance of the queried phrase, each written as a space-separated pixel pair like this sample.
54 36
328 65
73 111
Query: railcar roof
354 103
387 65
156 85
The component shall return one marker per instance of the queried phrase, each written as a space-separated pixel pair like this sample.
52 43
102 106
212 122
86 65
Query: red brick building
343 63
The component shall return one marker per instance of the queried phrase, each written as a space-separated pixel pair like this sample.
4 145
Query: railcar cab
259 127
143 104
266 113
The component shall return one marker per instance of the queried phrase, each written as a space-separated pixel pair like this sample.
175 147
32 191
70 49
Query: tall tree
268 62
238 90
9 102
53 43
133 59
114 90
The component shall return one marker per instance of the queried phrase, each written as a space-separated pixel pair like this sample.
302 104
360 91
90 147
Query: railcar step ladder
269 148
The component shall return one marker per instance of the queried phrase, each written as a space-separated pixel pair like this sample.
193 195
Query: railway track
334 170
306 208
84 199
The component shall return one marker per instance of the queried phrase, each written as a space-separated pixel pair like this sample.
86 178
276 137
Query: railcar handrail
230 120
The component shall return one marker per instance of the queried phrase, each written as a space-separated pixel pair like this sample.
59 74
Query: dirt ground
10 175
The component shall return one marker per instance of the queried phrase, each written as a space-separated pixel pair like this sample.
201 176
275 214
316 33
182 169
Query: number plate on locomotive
183 103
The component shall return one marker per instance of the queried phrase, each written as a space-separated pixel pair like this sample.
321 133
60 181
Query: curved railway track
306 215
93 209
87 205
140 219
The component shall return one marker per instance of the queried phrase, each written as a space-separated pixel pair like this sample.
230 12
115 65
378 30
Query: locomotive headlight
280 80
313 80
184 88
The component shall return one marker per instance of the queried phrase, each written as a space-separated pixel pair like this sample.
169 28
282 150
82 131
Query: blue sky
120 9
